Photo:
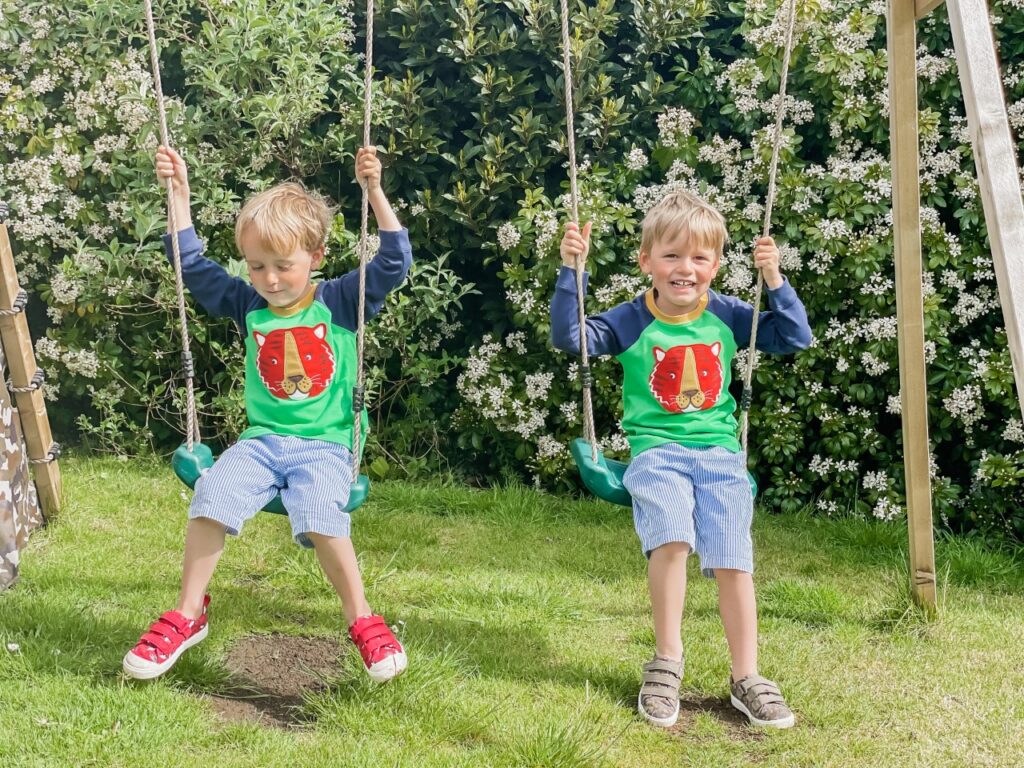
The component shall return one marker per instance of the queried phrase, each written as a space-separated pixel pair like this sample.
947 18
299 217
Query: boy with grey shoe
688 475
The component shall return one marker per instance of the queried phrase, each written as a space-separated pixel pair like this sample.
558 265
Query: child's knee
671 550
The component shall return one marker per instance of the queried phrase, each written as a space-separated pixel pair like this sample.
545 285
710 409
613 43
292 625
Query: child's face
280 279
681 273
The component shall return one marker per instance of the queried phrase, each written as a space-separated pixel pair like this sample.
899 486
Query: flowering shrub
825 424
670 93
256 92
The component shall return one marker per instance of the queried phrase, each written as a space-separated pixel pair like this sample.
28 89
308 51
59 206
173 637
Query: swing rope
748 393
192 427
586 378
358 392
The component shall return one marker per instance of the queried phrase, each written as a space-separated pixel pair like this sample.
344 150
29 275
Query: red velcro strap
157 640
177 622
373 633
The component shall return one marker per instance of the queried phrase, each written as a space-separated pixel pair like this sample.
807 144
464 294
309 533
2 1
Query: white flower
675 124
873 365
537 385
570 412
508 236
887 510
47 348
549 448
876 481
965 403
516 341
877 285
827 506
1014 431
636 160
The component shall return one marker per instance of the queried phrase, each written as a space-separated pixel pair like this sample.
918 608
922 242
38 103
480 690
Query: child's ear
644 260
717 266
317 257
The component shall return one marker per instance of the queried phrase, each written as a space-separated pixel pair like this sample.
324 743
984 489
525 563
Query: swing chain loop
20 301
586 376
358 400
746 398
51 455
37 381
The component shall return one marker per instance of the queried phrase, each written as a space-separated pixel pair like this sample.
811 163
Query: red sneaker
159 648
382 654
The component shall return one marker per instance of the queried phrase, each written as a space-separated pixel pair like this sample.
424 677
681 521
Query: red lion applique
295 363
688 377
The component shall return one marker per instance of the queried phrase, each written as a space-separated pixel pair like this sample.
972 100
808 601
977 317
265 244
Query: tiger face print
295 363
688 377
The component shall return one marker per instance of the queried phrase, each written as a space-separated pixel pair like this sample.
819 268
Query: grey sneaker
658 701
761 701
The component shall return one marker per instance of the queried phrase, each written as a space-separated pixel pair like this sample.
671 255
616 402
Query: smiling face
281 279
681 272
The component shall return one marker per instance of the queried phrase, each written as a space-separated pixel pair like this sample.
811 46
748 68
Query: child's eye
255 268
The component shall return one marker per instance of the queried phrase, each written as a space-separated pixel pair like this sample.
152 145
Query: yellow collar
693 314
296 306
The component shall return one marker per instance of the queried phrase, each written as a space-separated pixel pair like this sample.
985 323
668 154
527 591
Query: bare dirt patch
270 674
735 722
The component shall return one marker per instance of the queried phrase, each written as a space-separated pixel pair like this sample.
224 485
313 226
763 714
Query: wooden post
906 205
21 360
995 156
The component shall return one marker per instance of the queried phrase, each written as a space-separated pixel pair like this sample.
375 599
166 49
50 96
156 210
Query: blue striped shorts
700 496
314 478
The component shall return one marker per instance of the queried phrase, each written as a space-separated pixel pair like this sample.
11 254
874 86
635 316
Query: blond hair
286 217
683 213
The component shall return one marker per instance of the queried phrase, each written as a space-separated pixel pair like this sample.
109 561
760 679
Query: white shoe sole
140 669
389 668
786 722
663 722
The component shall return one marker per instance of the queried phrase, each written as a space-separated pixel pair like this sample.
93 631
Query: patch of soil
691 705
271 673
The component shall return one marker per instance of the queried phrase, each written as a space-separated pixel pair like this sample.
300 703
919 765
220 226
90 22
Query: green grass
526 621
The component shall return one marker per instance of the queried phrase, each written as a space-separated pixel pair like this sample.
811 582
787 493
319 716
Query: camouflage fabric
19 506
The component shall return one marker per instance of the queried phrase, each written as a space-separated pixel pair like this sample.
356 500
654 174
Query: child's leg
337 557
204 544
724 511
738 609
240 483
663 517
666 581
382 654
319 479
756 697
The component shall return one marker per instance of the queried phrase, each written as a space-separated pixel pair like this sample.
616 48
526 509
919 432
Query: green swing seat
190 465
603 477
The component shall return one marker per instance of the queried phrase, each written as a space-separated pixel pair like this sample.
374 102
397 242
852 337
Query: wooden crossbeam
21 361
923 7
906 211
